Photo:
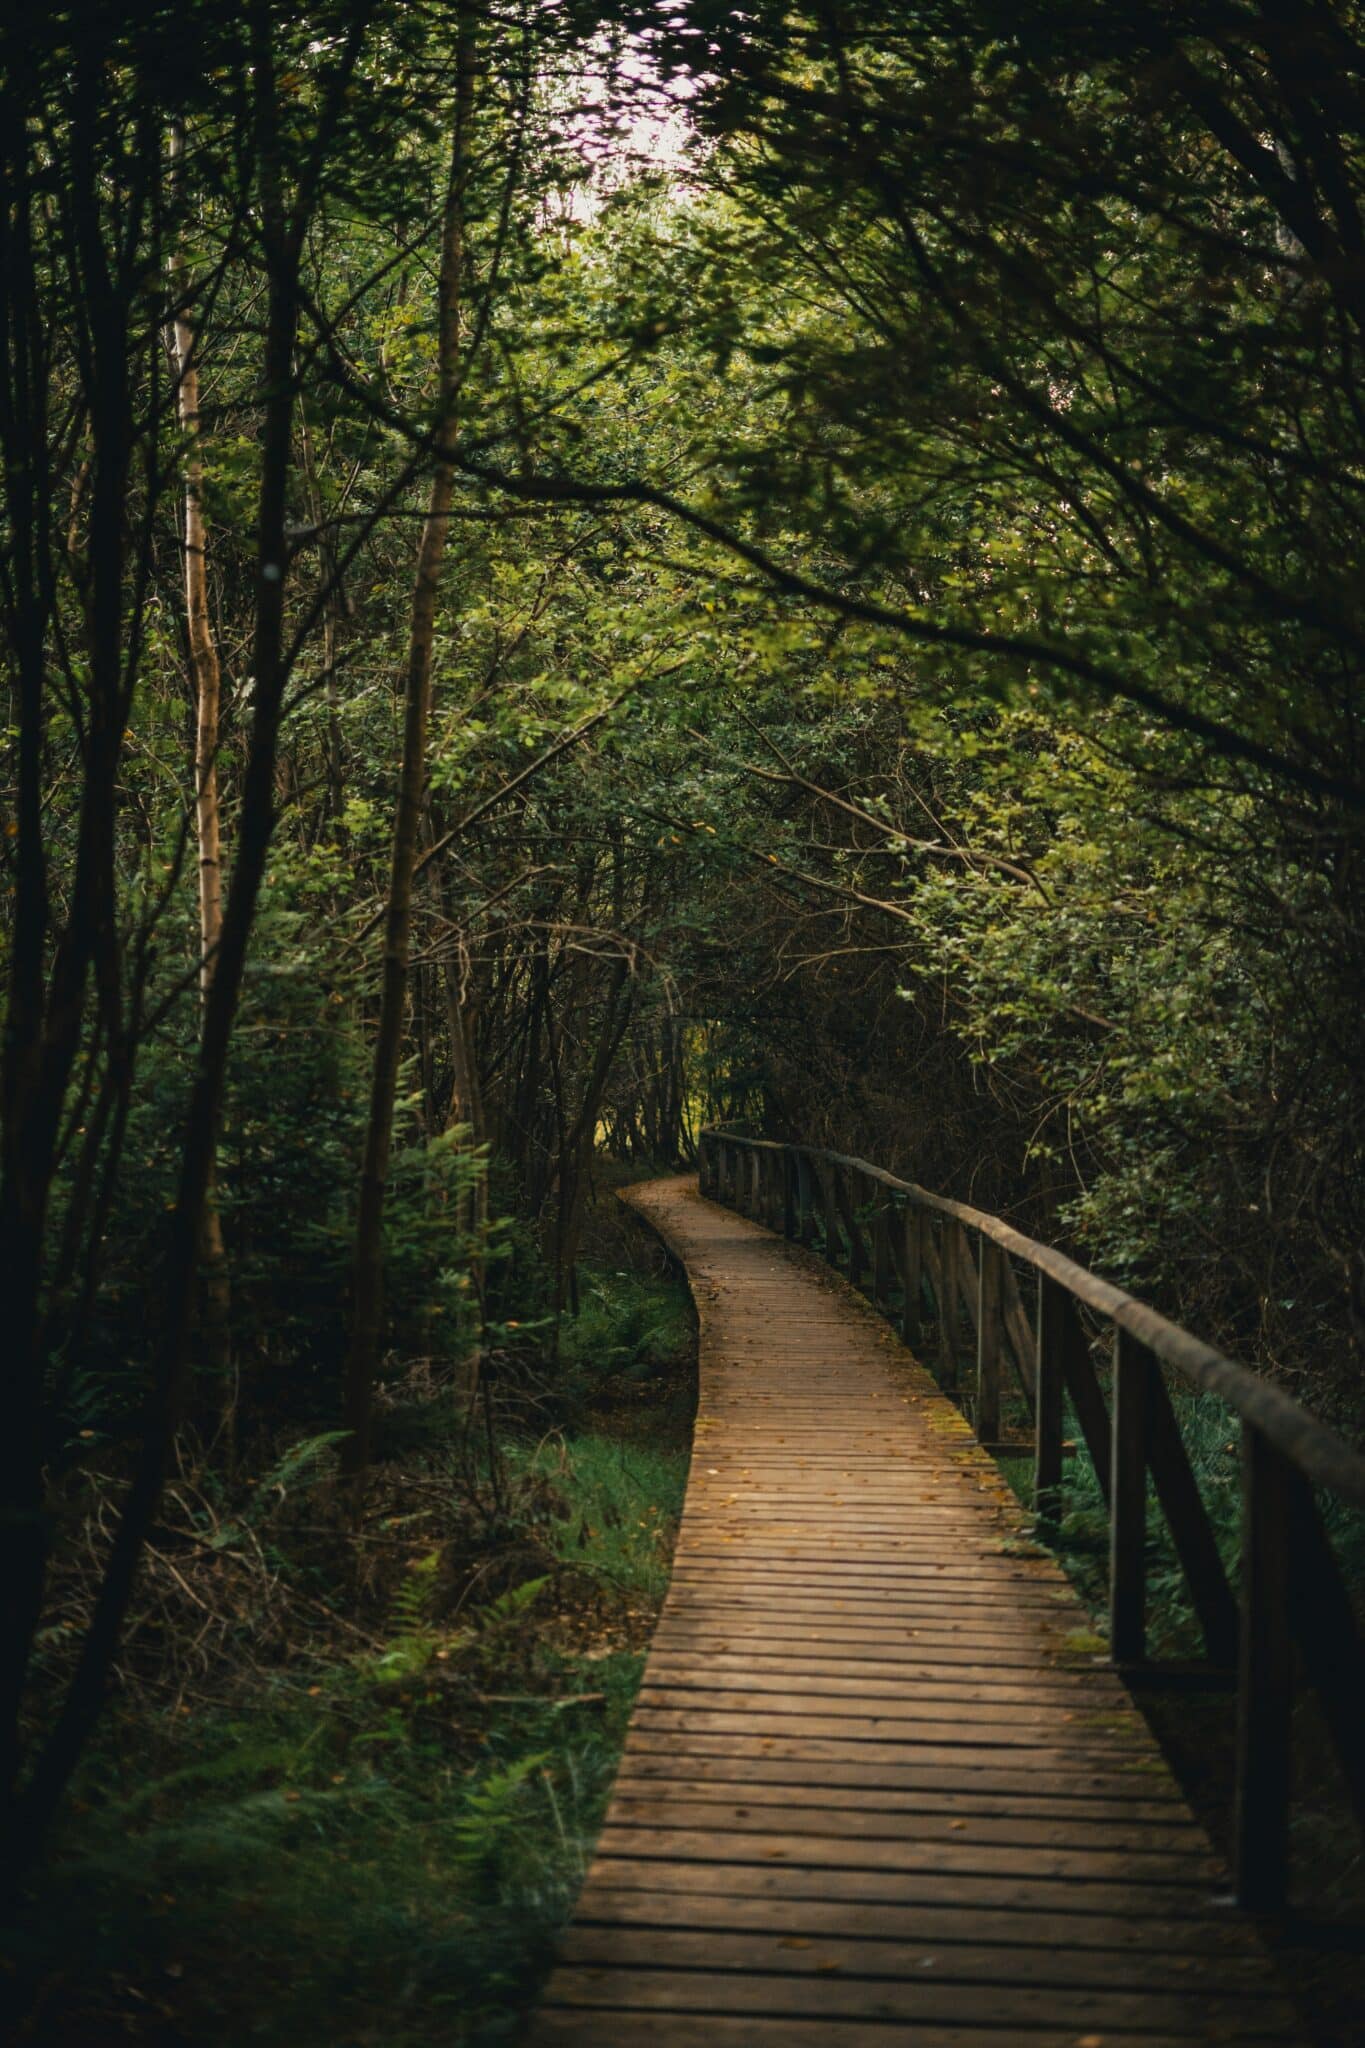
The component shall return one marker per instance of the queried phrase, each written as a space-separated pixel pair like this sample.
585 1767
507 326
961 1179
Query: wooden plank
974 1891
596 2027
1025 1704
967 1667
873 1759
907 1651
921 2002
847 1954
1061 1871
682 1777
1093 1940
1151 1852
946 1729
918 1774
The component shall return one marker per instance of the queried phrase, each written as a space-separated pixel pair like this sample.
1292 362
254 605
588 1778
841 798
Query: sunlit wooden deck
880 1786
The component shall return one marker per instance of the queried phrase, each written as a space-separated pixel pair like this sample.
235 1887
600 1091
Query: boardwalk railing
924 1259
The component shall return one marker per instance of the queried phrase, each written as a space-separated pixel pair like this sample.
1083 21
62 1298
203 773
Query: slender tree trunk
205 674
368 1259
466 1108
335 611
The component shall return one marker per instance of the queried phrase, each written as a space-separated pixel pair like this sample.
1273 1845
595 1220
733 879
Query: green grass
328 1870
375 1850
1210 1433
621 1501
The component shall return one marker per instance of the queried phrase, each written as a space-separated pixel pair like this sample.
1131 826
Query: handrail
1291 1592
1317 1451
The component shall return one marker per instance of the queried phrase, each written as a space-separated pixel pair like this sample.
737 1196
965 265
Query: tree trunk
204 672
368 1258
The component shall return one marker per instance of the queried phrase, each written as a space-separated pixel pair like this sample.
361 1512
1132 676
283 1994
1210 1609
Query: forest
571 574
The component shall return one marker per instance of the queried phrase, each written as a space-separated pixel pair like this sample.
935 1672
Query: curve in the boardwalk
879 1787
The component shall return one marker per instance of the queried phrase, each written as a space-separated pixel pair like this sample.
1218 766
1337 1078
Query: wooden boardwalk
879 1786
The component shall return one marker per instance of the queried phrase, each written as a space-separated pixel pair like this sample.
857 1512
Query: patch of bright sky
630 122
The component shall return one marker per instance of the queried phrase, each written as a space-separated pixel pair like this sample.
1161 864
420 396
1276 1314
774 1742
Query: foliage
388 1831
895 680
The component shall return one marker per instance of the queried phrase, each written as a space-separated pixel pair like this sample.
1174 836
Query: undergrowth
1209 1432
372 1834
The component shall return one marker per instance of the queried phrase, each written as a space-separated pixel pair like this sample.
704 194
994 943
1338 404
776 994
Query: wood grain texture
880 1785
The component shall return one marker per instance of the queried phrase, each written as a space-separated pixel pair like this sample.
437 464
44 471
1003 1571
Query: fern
275 1486
494 1810
414 1642
509 1607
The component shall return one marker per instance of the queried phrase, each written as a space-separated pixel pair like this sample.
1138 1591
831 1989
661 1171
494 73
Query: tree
412 773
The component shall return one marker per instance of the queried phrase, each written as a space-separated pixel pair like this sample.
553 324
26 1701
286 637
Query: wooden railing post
914 1224
791 1199
1187 1518
855 1246
1264 1677
1087 1396
988 1339
1054 1309
881 1253
805 1182
947 1299
1129 1438
827 1189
